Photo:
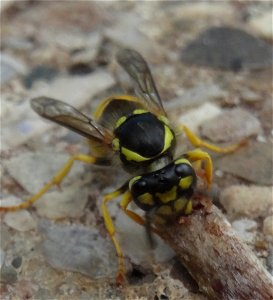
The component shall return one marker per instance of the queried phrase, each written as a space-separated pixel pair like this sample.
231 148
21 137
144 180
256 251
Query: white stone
10 67
268 226
79 249
247 201
196 117
10 201
231 124
20 220
75 90
263 24
33 170
245 228
69 202
203 10
196 96
126 33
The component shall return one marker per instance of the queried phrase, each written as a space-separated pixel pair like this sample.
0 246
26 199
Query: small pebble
79 249
10 201
20 220
75 90
252 162
8 274
222 129
69 202
250 96
202 10
245 228
195 117
10 67
44 73
262 24
197 95
219 173
228 48
17 262
247 201
261 139
268 226
64 87
125 33
33 170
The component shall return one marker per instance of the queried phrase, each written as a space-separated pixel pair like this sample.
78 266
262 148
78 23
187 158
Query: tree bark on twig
222 265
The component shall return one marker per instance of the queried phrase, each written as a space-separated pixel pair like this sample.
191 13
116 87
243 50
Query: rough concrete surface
200 59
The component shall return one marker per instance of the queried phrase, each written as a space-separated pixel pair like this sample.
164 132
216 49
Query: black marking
143 134
162 181
182 169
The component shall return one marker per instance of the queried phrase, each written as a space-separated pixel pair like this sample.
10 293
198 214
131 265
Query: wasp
136 132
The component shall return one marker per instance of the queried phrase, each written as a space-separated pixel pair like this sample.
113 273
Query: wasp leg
56 180
197 155
127 198
197 142
111 230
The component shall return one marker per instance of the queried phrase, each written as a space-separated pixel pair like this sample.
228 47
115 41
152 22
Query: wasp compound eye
137 183
183 170
141 183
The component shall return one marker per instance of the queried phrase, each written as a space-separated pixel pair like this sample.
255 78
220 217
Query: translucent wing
135 65
67 116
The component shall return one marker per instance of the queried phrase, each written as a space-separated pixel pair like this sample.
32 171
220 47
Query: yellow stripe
182 161
167 196
133 180
115 144
146 198
120 121
164 120
131 155
179 204
188 209
185 182
139 111
164 210
167 138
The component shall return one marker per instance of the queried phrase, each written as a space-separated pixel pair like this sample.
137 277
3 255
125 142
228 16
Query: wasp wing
135 65
68 116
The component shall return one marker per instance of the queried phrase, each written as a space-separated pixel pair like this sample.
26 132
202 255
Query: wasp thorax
142 137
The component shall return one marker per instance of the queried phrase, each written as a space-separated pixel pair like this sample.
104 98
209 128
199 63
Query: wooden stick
222 265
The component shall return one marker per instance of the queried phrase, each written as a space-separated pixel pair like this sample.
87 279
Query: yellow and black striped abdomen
167 190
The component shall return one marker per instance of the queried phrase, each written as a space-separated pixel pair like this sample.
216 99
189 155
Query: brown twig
222 265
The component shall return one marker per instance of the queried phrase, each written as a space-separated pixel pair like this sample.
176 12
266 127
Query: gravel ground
212 63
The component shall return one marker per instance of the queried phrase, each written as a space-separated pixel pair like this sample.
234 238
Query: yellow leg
56 180
111 230
127 198
197 155
197 142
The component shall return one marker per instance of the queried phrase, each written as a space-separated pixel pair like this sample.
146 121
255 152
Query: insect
136 132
